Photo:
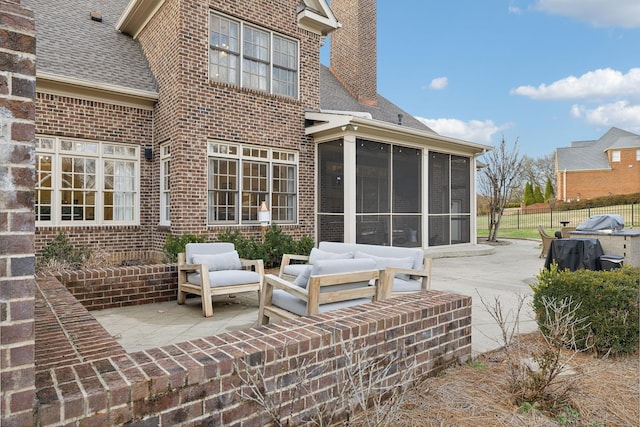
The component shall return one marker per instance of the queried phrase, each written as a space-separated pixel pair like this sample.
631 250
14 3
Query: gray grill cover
602 222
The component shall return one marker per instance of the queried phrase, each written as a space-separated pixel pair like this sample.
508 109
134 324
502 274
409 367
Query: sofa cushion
410 285
295 270
217 262
295 305
384 262
226 278
335 266
303 278
318 254
382 251
192 249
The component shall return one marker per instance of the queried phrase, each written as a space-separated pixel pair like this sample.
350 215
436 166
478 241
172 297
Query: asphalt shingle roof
70 44
334 96
589 155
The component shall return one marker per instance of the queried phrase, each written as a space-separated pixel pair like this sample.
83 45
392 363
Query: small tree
548 191
537 195
528 194
498 180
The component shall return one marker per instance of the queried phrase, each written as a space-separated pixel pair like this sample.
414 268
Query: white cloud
479 131
620 114
439 83
599 13
599 84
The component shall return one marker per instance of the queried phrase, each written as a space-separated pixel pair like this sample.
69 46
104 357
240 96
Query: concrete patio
503 271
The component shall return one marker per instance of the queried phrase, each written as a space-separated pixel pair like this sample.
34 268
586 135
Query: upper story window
615 156
86 182
638 155
252 57
241 177
165 184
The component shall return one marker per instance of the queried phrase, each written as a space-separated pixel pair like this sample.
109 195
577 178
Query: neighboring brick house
607 166
182 116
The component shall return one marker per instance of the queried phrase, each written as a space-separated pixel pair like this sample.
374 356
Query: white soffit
316 16
136 16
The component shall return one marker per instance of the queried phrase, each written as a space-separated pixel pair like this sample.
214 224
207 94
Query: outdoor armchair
546 241
209 269
325 286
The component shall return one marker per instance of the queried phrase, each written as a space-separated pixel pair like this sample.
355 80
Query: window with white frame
615 156
165 184
638 155
86 182
252 57
241 177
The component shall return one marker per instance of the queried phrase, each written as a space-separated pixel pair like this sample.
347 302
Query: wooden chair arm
276 282
257 264
287 258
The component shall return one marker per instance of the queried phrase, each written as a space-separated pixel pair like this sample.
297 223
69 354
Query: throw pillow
224 261
384 262
318 254
303 278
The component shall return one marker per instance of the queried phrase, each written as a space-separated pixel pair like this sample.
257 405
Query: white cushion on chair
295 305
226 278
217 262
295 269
318 254
384 262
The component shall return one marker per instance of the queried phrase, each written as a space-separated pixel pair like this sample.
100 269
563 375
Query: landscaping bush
608 301
270 250
61 254
175 244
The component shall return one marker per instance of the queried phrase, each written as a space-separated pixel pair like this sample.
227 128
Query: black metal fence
516 219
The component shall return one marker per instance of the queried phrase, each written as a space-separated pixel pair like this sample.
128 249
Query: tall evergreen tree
548 191
529 199
537 195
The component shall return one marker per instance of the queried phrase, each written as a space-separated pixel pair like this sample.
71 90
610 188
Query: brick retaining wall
101 288
198 382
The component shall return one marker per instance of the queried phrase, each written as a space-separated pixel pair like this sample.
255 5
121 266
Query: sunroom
386 184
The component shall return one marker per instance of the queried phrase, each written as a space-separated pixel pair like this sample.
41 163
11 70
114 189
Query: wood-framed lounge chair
565 231
546 241
209 269
327 285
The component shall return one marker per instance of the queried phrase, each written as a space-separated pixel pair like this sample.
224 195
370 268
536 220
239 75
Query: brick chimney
353 48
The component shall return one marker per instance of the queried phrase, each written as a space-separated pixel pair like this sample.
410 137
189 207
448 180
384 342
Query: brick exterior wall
198 382
623 178
99 289
353 48
194 110
17 260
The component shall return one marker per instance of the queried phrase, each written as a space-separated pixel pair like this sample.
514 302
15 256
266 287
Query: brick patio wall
199 382
101 288
17 260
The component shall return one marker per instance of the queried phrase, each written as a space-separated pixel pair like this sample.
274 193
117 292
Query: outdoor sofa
402 269
328 285
209 269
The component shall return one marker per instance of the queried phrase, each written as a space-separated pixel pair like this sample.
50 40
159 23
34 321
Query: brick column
17 225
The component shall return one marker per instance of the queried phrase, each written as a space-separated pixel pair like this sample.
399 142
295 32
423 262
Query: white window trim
242 24
270 160
638 155
615 156
165 156
56 203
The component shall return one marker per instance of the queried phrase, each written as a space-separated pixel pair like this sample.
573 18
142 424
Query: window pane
372 177
460 185
283 201
330 175
372 229
223 190
438 183
331 228
407 180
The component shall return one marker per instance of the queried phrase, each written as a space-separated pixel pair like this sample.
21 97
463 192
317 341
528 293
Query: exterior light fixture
264 217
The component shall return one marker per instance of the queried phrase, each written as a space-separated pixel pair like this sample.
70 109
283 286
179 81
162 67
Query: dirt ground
606 392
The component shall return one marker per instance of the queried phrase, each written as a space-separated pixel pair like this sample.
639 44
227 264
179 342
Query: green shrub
174 245
609 302
62 254
271 248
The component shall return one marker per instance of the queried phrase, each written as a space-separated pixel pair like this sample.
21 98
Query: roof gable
592 155
316 16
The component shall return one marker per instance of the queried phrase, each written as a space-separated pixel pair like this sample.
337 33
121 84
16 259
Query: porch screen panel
331 191
372 177
406 197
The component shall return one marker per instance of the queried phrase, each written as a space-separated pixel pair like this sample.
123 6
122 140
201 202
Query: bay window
241 177
86 182
252 57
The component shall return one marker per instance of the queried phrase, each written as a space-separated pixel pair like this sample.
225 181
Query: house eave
136 16
101 92
314 22
328 127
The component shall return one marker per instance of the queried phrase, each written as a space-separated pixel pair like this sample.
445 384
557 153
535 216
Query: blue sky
546 72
